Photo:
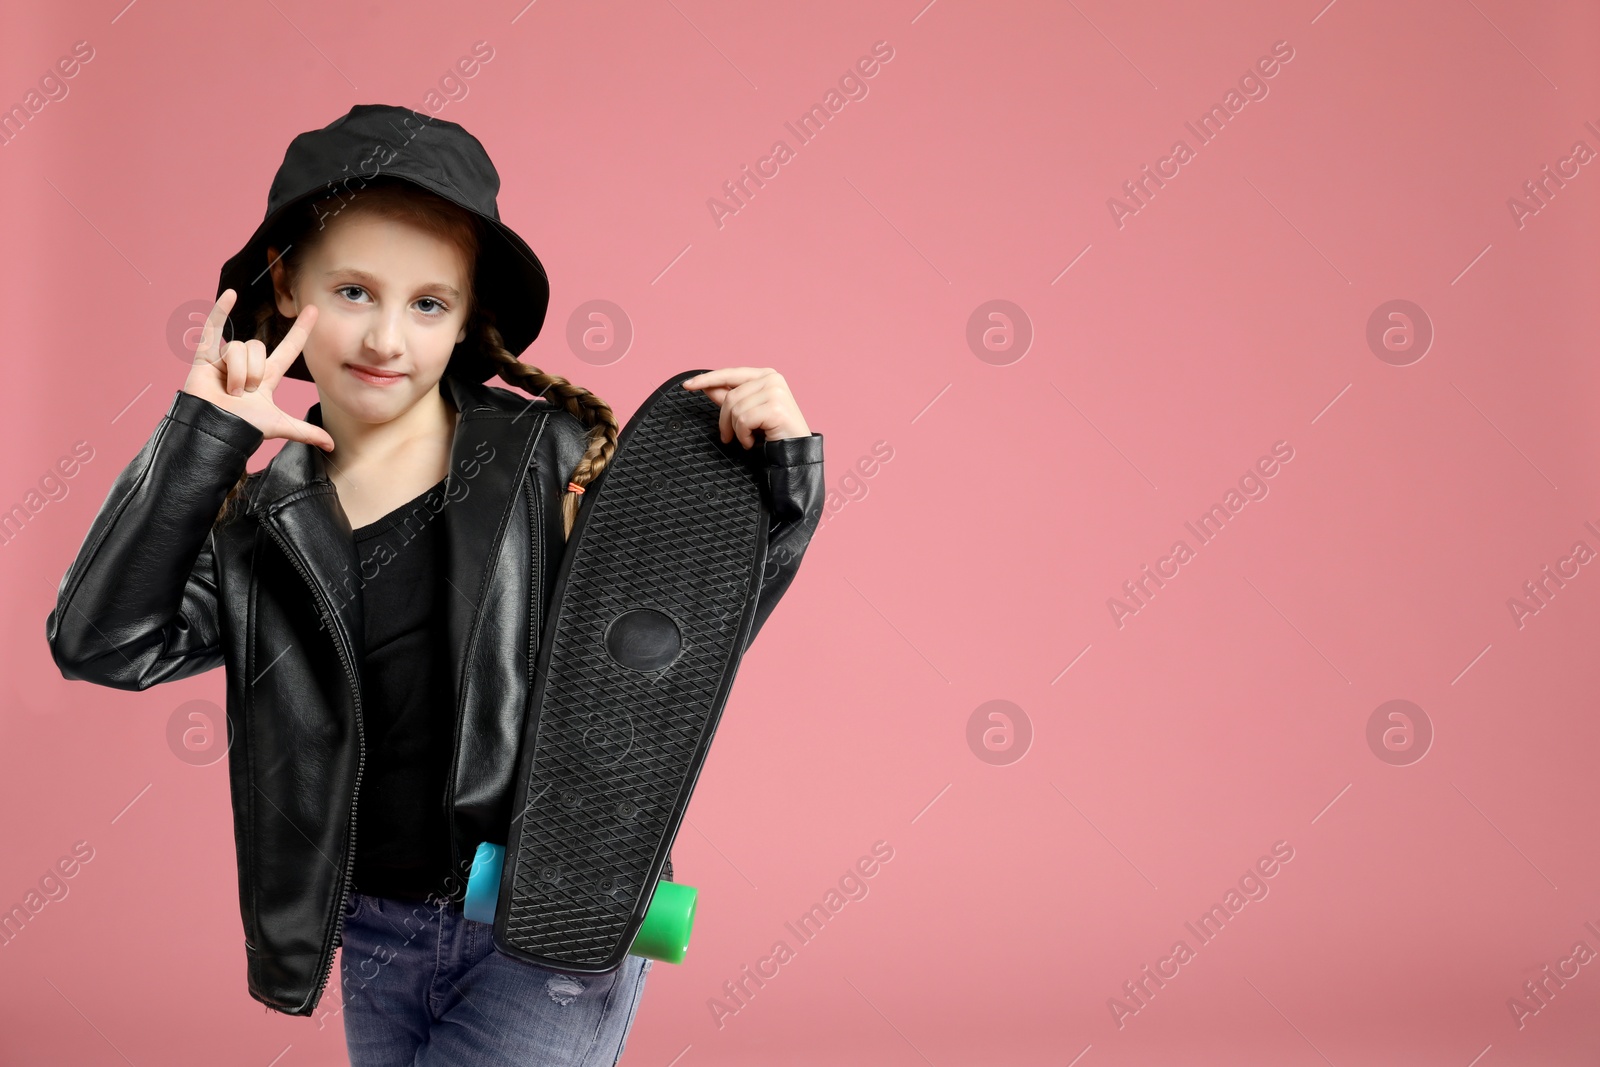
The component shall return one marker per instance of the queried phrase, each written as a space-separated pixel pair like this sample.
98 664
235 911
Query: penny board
652 605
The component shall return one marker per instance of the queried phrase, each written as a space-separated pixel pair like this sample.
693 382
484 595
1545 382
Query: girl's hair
391 198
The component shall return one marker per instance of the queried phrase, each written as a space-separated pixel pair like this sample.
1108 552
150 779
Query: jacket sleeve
795 489
138 605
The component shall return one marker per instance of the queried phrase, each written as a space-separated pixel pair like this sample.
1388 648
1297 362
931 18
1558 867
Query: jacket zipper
536 609
361 740
536 549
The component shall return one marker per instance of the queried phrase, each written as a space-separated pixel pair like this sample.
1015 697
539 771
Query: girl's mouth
373 377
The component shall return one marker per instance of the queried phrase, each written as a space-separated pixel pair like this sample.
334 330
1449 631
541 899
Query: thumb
300 430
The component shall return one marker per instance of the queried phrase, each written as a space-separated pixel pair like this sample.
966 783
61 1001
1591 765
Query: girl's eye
439 304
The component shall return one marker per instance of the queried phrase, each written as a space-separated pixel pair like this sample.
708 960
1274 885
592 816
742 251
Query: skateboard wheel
664 934
483 884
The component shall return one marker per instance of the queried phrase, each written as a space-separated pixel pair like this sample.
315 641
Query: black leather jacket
157 593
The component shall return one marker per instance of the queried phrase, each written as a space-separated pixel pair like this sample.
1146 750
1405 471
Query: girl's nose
387 336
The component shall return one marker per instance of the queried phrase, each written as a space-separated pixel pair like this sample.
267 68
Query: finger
725 419
235 365
289 348
691 381
211 336
299 430
256 361
735 410
729 376
745 421
752 412
735 402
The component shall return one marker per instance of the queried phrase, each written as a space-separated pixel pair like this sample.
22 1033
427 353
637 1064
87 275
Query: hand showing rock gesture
239 377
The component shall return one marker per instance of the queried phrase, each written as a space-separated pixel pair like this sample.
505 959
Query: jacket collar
492 450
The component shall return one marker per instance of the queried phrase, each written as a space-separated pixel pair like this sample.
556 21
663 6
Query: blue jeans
424 986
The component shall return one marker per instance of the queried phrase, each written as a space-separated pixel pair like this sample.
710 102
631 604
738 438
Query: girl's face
391 306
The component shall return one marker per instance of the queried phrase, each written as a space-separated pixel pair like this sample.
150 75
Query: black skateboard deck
652 605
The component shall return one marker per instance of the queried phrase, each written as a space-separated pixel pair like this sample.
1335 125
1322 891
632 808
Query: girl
377 592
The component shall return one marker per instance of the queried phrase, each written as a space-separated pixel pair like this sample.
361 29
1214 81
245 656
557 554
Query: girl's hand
239 377
752 398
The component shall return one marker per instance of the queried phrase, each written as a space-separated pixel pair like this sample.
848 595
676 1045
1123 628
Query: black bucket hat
373 140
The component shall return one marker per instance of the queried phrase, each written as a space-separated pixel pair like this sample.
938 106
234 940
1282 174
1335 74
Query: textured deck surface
677 527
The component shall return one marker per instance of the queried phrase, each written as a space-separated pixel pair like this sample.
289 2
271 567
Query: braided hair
594 413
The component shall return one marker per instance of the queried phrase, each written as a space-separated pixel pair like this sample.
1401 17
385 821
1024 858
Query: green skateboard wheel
663 935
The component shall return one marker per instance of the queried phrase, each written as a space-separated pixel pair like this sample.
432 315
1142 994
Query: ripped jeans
424 986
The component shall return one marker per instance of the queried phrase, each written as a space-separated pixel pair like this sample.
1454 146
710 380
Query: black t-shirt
402 833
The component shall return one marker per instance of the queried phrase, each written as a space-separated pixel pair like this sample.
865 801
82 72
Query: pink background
1162 757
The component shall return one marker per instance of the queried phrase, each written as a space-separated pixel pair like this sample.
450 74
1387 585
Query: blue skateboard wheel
483 885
